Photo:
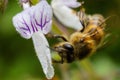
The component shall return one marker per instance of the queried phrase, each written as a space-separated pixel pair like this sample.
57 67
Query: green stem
64 71
87 66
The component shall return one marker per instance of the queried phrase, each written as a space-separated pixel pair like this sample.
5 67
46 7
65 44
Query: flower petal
43 53
68 3
66 15
22 23
33 19
71 3
43 20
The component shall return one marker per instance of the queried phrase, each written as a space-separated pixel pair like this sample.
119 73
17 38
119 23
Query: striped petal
33 19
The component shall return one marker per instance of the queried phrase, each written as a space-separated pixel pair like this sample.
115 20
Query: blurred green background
18 60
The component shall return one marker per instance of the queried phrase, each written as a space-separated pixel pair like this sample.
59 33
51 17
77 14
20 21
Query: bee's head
68 47
63 47
65 51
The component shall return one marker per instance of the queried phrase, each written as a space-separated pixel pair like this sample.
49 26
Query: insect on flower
84 42
35 21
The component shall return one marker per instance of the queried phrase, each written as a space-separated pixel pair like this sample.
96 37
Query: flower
63 12
35 21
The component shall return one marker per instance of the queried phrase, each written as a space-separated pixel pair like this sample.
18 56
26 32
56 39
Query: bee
82 43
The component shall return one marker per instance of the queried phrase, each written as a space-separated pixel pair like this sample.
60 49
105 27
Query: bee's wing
43 53
111 35
112 23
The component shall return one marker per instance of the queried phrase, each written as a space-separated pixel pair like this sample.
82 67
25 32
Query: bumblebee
82 43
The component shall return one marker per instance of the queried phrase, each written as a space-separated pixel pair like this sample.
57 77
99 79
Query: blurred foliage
3 4
18 60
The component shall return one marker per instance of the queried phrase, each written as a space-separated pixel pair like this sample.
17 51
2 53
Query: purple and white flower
35 21
63 12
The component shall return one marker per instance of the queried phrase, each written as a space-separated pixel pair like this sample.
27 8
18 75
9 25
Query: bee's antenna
52 49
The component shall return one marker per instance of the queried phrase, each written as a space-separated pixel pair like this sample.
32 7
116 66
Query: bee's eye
68 47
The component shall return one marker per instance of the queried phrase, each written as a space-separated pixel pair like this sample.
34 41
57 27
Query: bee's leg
82 18
51 35
60 36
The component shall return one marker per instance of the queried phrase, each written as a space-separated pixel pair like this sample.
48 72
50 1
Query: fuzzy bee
82 43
